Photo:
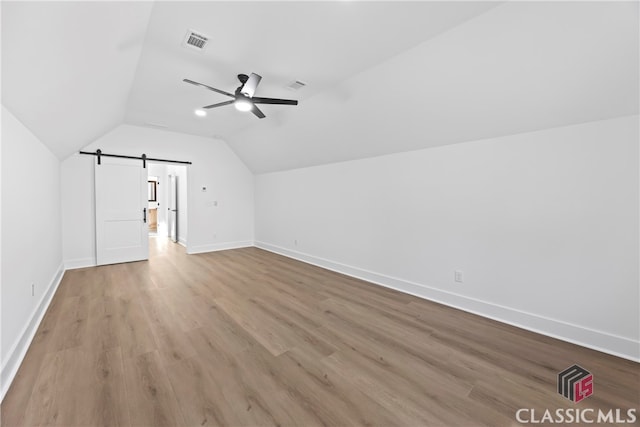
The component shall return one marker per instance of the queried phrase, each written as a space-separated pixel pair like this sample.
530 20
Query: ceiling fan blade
220 104
255 110
208 87
257 100
249 88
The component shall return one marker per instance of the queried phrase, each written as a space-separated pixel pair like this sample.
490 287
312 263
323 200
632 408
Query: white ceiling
320 43
382 77
67 67
520 67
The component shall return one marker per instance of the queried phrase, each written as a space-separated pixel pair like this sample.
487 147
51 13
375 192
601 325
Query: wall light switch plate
457 276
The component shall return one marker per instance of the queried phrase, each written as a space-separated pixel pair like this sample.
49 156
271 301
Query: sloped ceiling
67 67
520 67
320 43
382 77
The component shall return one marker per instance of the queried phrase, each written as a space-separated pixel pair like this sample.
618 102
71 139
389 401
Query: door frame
188 194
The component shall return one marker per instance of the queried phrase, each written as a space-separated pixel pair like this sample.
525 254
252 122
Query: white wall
544 226
31 238
229 182
78 212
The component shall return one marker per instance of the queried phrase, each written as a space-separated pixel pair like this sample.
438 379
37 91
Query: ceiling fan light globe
243 105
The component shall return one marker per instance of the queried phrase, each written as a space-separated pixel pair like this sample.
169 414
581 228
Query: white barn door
122 232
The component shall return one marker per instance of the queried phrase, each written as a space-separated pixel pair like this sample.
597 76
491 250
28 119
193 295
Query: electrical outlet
457 276
295 242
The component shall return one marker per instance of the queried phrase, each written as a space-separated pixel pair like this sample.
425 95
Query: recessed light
200 113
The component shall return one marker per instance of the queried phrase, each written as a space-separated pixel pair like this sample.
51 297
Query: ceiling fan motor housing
243 79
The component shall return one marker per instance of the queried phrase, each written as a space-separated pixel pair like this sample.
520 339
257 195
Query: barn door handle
144 215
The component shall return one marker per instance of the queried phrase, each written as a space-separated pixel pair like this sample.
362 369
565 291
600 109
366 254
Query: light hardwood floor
249 338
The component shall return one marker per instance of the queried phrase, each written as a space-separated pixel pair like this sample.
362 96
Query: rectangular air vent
296 85
195 40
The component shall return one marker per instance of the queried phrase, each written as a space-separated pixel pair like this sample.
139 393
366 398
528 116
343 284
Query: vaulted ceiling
382 77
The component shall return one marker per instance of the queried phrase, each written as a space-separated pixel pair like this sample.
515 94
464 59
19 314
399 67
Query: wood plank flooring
249 338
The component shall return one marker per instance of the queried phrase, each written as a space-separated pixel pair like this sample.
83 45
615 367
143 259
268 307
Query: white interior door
122 233
173 208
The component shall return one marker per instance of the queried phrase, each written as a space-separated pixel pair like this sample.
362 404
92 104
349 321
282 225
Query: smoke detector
296 85
157 125
195 40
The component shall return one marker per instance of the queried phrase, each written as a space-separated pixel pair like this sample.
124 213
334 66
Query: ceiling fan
243 98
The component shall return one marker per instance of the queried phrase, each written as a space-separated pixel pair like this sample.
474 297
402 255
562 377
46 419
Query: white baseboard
219 247
586 337
71 264
20 347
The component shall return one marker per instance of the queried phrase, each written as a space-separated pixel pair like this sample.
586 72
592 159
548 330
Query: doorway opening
167 194
152 195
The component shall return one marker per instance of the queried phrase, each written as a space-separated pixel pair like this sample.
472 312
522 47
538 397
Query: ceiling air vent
296 85
195 40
